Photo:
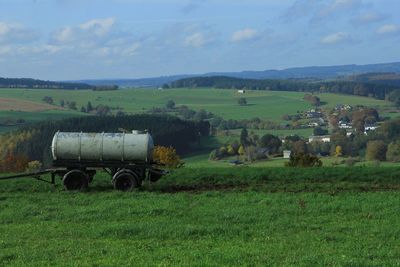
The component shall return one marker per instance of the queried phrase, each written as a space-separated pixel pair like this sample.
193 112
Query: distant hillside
343 86
144 82
33 83
389 79
317 72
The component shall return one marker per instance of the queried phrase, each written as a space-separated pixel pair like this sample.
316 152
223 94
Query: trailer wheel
75 180
125 181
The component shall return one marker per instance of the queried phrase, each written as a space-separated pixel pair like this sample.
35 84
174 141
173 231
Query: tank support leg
53 178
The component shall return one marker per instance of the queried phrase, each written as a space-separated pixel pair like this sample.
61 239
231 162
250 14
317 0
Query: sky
106 39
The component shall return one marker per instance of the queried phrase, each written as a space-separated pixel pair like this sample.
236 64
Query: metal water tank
81 146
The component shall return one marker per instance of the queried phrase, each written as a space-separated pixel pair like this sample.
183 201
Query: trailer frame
77 175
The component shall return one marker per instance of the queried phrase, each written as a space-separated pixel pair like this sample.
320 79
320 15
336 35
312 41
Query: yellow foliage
230 150
241 150
166 156
338 151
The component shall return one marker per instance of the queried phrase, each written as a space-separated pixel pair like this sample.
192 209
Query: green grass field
264 104
32 117
202 217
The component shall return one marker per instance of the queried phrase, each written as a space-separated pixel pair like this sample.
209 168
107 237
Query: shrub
170 104
167 156
376 150
242 101
393 152
303 160
34 165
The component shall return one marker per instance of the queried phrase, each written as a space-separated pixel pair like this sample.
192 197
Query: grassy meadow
263 104
262 217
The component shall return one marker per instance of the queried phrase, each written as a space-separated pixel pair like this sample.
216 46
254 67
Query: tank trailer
77 156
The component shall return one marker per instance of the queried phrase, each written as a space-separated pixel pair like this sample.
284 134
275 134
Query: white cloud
369 17
86 33
16 33
97 37
99 27
196 40
388 29
335 38
199 36
244 35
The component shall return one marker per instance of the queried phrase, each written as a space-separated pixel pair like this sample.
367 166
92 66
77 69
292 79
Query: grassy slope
248 226
263 104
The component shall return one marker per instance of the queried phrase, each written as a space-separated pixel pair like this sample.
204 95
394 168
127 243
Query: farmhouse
345 125
313 114
286 154
370 127
241 91
320 138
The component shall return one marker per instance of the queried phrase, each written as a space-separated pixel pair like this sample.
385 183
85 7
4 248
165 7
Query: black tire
125 181
75 180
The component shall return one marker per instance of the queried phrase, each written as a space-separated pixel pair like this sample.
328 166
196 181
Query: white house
286 154
241 91
322 138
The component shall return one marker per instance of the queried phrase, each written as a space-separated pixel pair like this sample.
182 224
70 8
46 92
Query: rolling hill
317 72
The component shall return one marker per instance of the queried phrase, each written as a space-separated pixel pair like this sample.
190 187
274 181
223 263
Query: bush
167 156
170 104
242 101
303 160
376 150
393 152
34 166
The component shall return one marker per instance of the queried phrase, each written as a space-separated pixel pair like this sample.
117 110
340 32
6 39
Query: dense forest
351 87
33 83
34 142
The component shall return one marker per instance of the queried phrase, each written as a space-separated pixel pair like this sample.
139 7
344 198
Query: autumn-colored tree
299 147
167 156
303 160
230 150
376 150
14 163
338 151
241 150
393 152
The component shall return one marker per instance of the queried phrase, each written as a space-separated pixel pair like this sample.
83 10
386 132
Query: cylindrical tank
133 146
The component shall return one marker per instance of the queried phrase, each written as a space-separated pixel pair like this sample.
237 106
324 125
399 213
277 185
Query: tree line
360 88
41 84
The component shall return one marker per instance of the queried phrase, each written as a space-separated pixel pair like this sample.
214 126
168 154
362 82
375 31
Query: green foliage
244 135
335 86
48 99
242 101
273 143
170 104
303 160
33 84
376 150
312 99
393 152
320 131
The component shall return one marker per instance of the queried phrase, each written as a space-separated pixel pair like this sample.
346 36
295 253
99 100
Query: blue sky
89 39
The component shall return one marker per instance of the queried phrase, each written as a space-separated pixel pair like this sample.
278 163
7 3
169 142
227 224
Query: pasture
208 217
263 104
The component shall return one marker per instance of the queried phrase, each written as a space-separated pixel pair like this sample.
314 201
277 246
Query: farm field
32 117
264 104
245 217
